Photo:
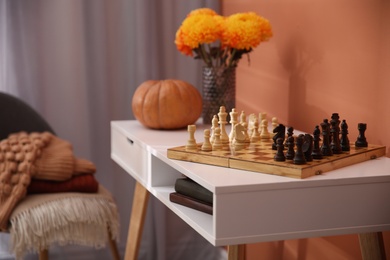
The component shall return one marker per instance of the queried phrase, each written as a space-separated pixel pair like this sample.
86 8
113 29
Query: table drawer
130 154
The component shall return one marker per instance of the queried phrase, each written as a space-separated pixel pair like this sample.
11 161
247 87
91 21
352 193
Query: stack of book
190 194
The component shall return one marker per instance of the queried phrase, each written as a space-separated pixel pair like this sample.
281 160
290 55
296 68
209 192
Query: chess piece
335 133
217 145
299 157
251 122
308 147
275 123
239 137
316 153
279 156
191 142
233 122
264 129
214 125
361 139
206 146
290 148
262 116
279 132
222 124
325 147
290 132
344 140
255 133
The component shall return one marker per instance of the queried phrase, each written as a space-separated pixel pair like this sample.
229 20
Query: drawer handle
130 141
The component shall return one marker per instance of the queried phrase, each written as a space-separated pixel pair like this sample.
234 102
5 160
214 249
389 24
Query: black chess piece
279 156
361 139
344 140
316 153
290 132
308 147
326 121
299 157
280 132
290 148
325 147
335 133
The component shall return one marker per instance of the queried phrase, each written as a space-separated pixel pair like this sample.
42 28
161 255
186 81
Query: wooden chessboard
259 157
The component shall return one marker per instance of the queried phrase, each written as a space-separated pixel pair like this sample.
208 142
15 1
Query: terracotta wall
325 57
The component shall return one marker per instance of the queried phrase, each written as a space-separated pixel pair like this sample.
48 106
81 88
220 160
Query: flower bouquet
220 42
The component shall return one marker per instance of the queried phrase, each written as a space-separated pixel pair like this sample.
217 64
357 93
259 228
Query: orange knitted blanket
40 156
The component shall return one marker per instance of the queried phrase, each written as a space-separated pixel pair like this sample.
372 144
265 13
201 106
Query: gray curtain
78 63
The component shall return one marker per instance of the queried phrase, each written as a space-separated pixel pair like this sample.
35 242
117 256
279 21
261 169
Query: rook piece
316 153
299 157
290 148
279 156
191 143
280 132
325 147
344 141
361 139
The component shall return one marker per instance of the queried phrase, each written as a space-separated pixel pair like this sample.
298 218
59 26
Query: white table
252 207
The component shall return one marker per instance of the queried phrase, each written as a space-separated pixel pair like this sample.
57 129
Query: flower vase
219 89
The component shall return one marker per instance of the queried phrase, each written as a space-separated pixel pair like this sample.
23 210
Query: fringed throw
63 218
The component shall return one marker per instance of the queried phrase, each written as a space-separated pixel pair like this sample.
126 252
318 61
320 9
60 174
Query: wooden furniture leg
113 246
138 211
44 254
236 252
372 246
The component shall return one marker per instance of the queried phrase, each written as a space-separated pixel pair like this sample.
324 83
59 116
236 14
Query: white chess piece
217 145
264 130
233 122
222 123
191 143
206 146
214 125
255 137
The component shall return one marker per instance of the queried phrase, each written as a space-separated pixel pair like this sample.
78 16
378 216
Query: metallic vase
219 89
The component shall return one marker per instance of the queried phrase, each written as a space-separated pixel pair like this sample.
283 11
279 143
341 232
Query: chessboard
259 157
250 146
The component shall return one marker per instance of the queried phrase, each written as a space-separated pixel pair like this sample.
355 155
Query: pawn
214 125
279 156
290 148
264 129
206 146
299 157
255 133
217 145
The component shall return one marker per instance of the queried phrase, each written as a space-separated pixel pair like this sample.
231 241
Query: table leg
372 246
236 252
138 213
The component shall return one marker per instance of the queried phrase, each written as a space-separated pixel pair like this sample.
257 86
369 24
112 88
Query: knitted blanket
40 156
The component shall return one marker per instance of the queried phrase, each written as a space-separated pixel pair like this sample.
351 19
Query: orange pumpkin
166 104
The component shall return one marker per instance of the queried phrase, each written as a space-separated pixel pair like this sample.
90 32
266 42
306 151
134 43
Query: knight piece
361 139
280 132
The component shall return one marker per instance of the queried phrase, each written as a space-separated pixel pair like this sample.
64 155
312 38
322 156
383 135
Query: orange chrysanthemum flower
218 40
245 31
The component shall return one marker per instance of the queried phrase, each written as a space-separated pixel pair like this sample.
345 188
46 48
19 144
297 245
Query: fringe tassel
82 221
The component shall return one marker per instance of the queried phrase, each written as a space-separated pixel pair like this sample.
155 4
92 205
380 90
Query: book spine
191 203
192 189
